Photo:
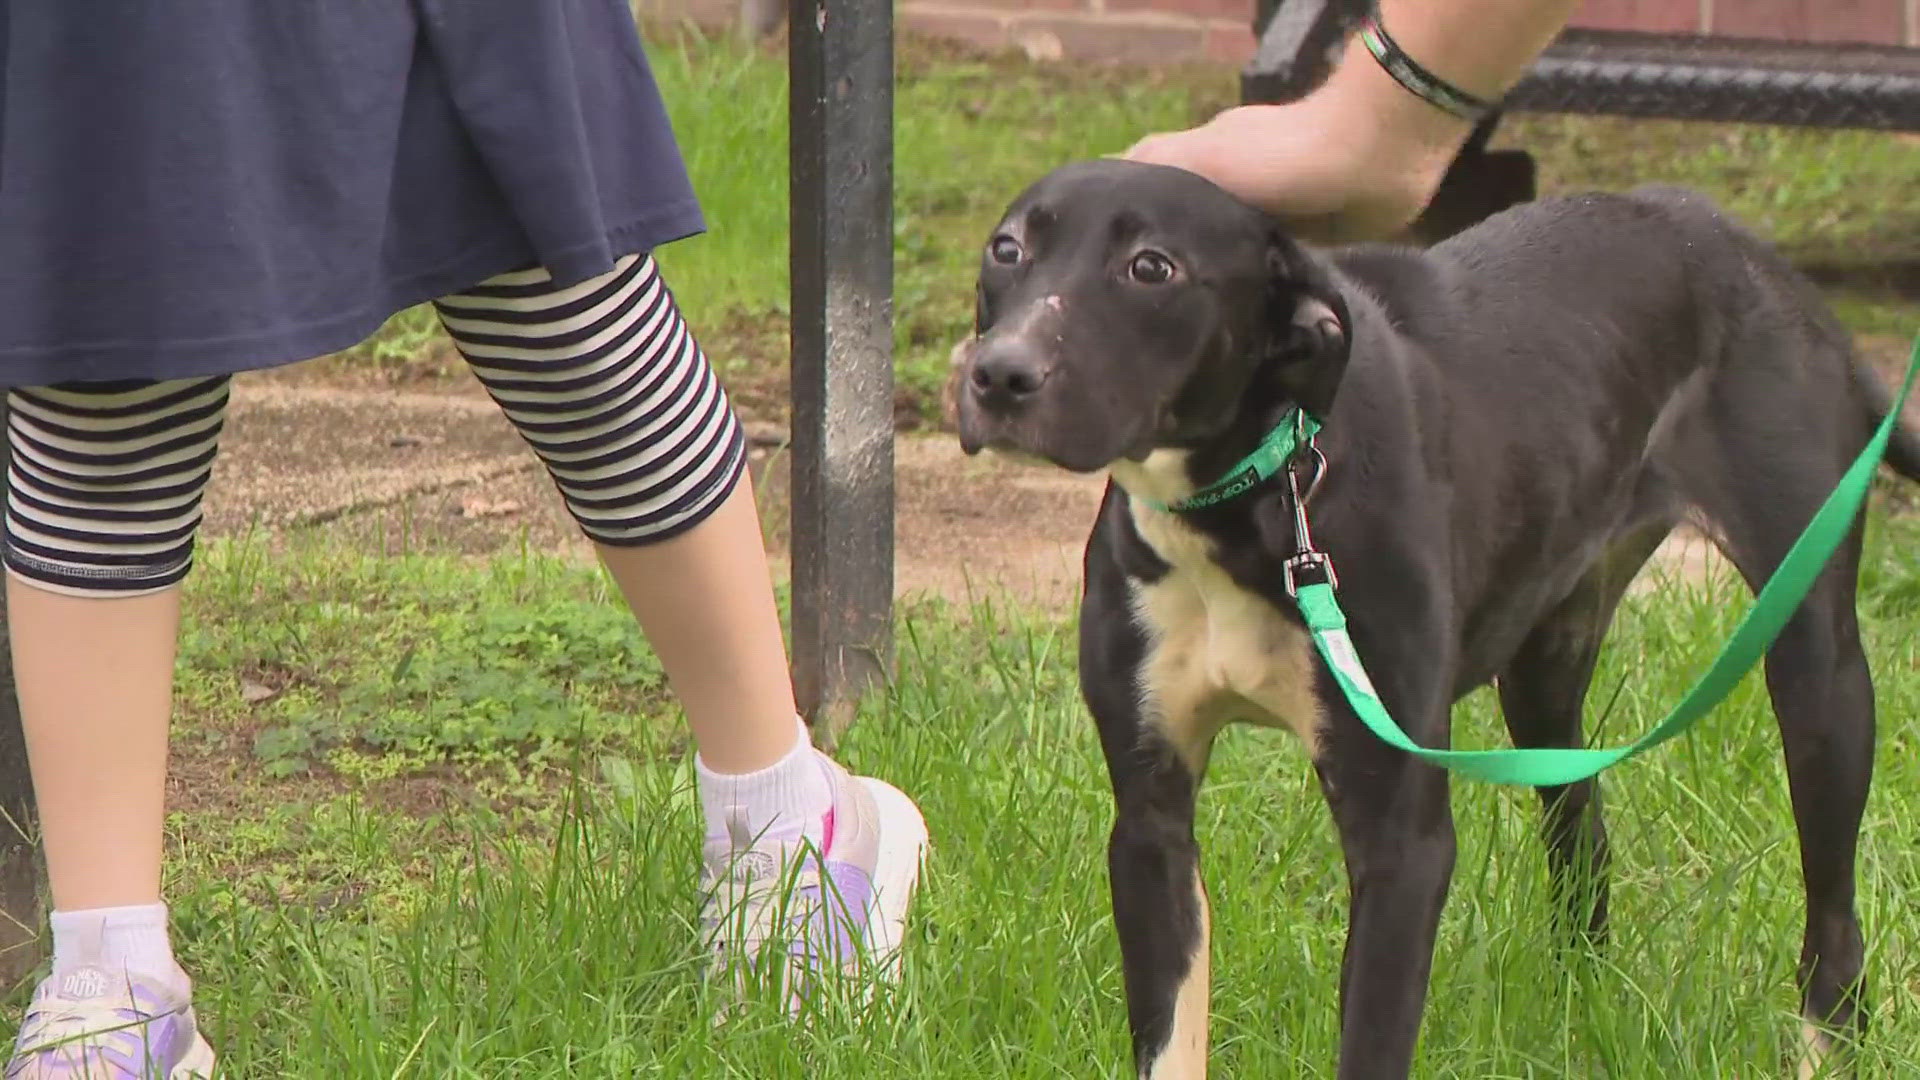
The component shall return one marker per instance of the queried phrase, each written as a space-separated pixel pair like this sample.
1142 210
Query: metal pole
840 70
20 904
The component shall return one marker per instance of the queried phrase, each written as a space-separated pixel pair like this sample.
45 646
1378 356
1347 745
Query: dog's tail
1903 449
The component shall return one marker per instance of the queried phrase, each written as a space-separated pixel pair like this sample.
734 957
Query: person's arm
1362 155
1480 46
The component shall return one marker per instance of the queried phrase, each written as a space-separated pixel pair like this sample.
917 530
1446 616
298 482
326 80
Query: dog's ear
1310 329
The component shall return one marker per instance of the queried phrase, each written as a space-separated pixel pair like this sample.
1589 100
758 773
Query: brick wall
1885 22
1162 31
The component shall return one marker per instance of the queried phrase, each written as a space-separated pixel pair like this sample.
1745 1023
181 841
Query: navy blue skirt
197 187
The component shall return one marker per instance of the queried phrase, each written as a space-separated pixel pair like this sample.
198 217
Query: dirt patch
974 528
433 467
426 463
300 455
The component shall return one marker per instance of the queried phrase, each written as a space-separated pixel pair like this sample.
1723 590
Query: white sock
116 940
785 802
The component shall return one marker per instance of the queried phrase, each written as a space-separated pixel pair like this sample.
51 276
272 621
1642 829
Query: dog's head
1126 307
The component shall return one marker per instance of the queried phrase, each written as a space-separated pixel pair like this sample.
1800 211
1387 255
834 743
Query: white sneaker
838 909
91 1025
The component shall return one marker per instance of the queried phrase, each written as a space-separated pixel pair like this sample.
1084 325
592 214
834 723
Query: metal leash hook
1306 556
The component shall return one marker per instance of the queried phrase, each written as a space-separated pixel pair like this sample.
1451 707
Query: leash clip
1301 499
1313 562
1307 559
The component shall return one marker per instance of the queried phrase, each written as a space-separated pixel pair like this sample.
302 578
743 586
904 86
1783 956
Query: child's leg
103 502
606 383
610 388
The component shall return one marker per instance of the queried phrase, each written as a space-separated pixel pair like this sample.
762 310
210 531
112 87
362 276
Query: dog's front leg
1396 829
1160 914
1153 861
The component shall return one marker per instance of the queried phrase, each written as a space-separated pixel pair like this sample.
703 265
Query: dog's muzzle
999 383
1004 374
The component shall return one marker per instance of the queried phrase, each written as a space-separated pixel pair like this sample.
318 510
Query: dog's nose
1006 373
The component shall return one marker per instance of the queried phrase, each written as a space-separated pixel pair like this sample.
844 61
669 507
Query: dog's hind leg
1543 692
1822 691
1822 694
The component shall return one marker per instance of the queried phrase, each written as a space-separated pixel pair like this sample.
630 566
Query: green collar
1293 432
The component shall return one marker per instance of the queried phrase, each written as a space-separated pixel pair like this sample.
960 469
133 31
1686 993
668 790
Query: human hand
1358 158
1363 155
1337 165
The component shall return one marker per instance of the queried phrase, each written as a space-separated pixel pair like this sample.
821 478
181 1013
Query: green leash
1547 767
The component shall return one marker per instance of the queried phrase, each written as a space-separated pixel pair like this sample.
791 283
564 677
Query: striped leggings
603 379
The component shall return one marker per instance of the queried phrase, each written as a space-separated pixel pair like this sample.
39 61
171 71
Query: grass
972 130
461 896
434 817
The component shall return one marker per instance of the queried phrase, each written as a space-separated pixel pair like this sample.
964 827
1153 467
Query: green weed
360 935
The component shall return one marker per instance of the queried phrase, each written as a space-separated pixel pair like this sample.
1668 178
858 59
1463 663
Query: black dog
1514 420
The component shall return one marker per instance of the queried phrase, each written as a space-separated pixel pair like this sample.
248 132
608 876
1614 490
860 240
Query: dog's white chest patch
1216 653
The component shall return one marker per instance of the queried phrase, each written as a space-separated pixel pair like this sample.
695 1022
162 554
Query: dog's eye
1005 250
1151 268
